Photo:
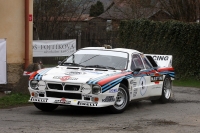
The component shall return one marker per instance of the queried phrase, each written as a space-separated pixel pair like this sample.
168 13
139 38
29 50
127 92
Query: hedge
182 40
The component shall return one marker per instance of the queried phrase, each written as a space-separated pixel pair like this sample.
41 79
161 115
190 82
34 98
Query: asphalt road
182 115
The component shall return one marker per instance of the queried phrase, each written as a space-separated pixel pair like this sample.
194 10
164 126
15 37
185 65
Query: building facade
16 27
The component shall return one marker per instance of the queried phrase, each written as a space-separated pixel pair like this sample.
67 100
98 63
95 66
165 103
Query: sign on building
52 48
3 71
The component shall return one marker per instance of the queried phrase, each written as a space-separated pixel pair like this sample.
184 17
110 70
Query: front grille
55 86
63 95
71 87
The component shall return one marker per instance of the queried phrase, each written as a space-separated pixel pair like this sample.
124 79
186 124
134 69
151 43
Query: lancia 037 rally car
100 77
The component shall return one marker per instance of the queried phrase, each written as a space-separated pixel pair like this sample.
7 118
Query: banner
3 70
52 48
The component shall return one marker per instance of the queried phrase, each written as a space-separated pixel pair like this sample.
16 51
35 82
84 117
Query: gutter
26 33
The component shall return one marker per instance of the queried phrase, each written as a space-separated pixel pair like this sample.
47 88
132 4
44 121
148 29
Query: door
141 79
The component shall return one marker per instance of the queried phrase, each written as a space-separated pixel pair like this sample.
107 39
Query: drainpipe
26 33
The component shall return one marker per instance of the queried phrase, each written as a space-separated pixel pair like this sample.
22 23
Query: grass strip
14 100
187 83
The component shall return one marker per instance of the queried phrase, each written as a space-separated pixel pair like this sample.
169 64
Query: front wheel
121 101
47 107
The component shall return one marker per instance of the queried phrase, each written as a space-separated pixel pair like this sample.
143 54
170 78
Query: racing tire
46 107
166 91
122 100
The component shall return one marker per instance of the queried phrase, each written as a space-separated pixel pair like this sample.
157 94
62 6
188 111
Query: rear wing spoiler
160 60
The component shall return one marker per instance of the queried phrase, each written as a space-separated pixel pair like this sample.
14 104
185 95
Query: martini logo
143 87
64 78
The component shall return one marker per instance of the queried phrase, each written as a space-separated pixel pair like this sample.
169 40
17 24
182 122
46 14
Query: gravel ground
182 115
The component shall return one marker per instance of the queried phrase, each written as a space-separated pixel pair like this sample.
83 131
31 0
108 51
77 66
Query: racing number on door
143 87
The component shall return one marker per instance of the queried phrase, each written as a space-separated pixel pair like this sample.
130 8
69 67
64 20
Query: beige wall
12 27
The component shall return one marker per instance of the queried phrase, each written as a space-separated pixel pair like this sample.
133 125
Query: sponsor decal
113 90
86 90
62 101
109 99
40 84
143 87
131 82
156 88
160 58
156 78
87 96
64 78
42 100
134 84
82 103
135 92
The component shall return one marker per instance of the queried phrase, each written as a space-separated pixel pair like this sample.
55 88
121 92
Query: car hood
73 74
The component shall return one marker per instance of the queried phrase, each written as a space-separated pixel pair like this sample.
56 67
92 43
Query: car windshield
98 58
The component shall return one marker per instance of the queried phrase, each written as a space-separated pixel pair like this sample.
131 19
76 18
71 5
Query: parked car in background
100 77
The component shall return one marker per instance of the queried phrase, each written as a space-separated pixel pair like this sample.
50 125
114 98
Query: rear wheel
47 107
121 101
166 91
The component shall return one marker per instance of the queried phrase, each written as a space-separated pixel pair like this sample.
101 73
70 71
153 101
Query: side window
147 63
136 62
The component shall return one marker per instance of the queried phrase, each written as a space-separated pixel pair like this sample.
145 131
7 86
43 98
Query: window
136 62
109 25
146 63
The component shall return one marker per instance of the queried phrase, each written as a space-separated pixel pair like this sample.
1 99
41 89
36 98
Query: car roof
115 49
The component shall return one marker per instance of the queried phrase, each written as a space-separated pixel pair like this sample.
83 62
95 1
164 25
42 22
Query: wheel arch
125 82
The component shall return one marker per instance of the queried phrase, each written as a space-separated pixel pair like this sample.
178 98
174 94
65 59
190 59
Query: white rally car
99 77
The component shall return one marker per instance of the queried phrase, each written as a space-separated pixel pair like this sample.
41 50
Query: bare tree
183 10
53 17
131 9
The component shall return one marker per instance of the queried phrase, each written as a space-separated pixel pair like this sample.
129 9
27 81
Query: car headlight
96 89
34 84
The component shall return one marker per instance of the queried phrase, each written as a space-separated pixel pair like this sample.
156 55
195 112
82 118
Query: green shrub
182 40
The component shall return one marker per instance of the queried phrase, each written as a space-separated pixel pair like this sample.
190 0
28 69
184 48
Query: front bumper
72 99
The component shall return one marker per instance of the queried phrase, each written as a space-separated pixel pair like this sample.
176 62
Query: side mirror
59 62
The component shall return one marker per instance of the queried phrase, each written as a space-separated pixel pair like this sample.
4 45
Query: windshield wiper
101 66
70 64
